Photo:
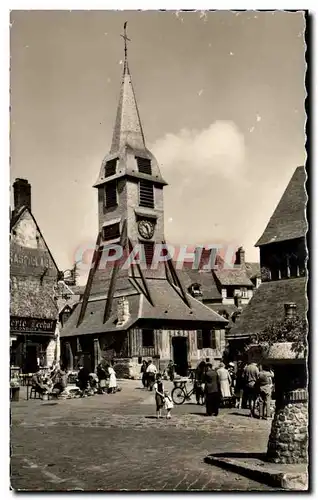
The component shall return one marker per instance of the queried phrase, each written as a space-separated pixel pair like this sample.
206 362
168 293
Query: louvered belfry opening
110 167
146 195
111 194
149 251
144 165
111 232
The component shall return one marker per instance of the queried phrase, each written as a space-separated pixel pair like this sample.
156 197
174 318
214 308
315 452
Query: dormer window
110 167
146 194
144 165
195 290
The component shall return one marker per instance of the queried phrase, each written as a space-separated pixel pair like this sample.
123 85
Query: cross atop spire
126 39
127 129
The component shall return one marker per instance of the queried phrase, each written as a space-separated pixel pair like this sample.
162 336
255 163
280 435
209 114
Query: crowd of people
56 379
242 385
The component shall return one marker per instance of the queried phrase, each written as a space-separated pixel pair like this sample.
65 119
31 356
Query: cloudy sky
221 99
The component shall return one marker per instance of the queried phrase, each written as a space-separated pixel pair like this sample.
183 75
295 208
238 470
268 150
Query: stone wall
288 440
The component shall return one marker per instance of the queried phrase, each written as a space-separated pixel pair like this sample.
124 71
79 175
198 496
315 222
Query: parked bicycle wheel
178 396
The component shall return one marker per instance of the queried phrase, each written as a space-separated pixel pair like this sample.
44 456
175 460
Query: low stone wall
288 440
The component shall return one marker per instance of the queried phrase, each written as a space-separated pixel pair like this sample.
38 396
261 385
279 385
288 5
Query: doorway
31 359
180 355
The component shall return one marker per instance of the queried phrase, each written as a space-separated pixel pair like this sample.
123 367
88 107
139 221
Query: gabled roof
234 276
16 216
267 306
289 218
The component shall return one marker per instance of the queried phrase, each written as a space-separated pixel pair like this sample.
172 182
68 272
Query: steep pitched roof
289 218
267 305
168 309
127 129
128 141
253 269
235 276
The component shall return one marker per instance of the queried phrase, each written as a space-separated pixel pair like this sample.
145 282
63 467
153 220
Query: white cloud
218 149
258 118
207 183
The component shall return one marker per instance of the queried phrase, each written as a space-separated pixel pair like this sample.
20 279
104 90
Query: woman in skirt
159 394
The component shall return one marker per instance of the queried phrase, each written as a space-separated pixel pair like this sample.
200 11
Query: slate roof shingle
235 276
204 278
168 308
289 218
267 305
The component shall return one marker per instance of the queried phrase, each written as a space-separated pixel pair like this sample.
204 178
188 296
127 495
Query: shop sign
32 325
31 258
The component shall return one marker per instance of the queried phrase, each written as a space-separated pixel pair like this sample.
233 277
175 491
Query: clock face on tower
146 229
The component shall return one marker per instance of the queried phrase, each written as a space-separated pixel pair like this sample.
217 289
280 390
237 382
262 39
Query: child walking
168 404
159 394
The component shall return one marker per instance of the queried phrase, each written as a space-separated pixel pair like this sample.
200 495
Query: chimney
21 194
290 310
123 314
240 256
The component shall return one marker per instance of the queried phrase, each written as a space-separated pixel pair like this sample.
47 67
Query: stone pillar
288 440
50 352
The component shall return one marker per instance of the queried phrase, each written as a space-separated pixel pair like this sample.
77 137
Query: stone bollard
288 440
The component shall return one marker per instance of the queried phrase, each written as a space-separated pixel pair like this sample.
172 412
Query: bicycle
180 393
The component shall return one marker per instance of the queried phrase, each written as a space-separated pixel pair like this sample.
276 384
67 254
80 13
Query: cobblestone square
114 442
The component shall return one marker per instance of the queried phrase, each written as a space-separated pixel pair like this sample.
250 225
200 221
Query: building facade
132 312
33 277
283 257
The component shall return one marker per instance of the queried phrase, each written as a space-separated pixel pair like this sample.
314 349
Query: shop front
32 343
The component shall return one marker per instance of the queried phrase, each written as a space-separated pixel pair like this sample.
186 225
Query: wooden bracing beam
94 265
176 280
110 293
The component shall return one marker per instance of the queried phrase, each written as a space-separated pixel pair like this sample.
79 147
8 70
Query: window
148 338
208 339
111 194
149 250
244 293
195 290
110 167
111 232
230 292
144 165
146 196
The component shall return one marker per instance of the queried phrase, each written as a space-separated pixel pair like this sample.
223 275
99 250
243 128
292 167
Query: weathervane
125 37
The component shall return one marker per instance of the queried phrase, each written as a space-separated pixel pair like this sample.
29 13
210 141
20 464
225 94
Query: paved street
113 442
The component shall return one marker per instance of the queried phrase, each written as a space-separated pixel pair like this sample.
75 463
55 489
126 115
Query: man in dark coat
212 391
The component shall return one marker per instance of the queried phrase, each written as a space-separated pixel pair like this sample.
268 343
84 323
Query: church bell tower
130 185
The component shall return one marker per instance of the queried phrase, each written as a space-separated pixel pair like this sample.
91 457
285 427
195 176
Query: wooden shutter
213 339
146 195
110 167
149 250
199 339
144 165
111 232
111 194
